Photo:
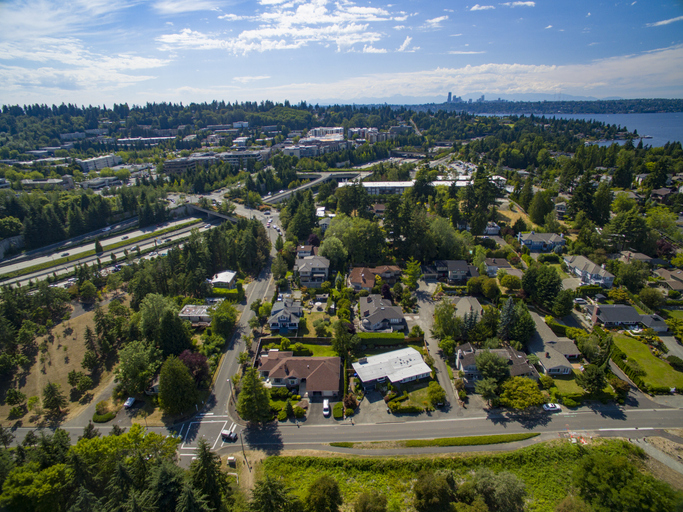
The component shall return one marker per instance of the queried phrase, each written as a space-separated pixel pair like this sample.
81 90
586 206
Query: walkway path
659 455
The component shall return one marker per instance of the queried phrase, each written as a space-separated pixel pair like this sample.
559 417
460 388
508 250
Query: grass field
321 350
566 384
672 313
443 441
561 272
545 468
658 372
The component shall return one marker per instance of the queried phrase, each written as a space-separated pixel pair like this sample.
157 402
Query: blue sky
106 51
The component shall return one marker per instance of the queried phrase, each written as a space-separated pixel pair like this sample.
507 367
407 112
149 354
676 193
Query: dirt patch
664 473
672 449
675 431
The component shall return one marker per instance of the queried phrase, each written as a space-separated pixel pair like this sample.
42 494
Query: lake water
662 128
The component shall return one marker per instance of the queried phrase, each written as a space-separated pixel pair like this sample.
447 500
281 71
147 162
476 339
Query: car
552 407
124 237
168 240
326 407
228 436
207 226
129 402
579 300
267 212
65 254
106 229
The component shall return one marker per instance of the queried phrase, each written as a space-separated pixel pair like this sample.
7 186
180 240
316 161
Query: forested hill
637 106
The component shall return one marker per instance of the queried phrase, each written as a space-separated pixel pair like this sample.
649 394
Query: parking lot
209 428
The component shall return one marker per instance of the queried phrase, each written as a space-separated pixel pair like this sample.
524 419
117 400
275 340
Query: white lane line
189 427
219 436
625 429
180 432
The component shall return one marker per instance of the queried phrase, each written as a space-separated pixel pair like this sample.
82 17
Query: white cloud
399 27
665 22
519 4
182 6
478 7
247 79
461 52
588 15
405 44
231 17
436 22
549 26
455 35
372 49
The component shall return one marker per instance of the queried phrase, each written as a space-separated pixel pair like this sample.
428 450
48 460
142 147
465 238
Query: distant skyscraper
449 97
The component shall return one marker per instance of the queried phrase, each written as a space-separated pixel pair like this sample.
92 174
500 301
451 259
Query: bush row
338 411
589 290
558 329
471 440
103 418
396 407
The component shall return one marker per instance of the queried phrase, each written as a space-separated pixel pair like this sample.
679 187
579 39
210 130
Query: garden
655 373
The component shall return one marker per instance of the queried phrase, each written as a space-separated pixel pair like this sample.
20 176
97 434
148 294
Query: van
326 407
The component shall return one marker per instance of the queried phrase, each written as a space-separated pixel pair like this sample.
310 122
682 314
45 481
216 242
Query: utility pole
244 453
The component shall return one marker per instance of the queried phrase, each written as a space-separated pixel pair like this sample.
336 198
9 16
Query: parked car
579 300
552 407
124 237
65 254
326 407
267 212
228 436
129 402
106 229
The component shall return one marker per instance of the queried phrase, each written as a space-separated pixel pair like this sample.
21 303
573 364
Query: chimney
547 354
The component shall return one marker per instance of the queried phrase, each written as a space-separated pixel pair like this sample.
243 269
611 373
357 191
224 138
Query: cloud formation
405 44
436 22
478 7
169 7
247 79
519 4
665 22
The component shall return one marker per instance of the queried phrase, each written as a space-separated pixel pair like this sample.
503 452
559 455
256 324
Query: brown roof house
314 376
363 278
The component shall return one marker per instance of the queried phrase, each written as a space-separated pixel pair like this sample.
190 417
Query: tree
563 303
253 403
343 342
541 205
502 491
521 393
207 477
448 345
526 196
511 282
333 249
98 246
433 492
53 398
543 284
89 432
592 379
412 273
138 363
446 324
191 500
89 361
152 310
487 388
84 383
174 336
492 366
270 495
6 436
623 203
436 394
652 298
177 391
524 326
279 267
197 364
633 275
573 504
87 290
601 204
223 319
370 502
324 495
14 397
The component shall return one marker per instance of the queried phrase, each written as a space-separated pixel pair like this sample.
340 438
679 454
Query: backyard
657 371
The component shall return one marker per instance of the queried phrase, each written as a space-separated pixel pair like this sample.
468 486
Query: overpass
210 213
316 180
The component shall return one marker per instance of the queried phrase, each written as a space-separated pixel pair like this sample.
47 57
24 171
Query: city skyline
97 52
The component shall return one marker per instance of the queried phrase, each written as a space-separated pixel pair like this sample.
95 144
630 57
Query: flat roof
396 366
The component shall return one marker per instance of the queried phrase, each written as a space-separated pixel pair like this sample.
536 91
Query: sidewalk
658 455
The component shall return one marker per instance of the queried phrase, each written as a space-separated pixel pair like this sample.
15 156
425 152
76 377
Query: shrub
550 258
338 411
569 402
14 397
389 396
348 412
620 386
397 408
101 408
676 363
546 381
103 418
282 415
659 390
350 401
17 411
299 412
279 393
462 394
674 294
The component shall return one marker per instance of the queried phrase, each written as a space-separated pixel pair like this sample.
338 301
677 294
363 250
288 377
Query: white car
579 300
552 407
129 402
326 407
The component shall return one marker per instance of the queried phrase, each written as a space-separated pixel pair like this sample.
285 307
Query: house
672 279
628 256
360 278
617 316
389 273
312 270
455 271
378 314
589 272
465 305
640 178
398 367
304 251
324 223
492 229
518 363
196 315
378 209
541 242
285 315
153 388
314 376
552 351
561 210
661 194
493 265
225 279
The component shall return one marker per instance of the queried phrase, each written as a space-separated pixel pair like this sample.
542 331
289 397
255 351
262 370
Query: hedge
589 290
674 302
558 329
552 258
231 295
338 411
471 440
103 418
343 444
378 338
396 408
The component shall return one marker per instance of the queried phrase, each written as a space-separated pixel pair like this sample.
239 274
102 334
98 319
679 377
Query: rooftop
395 366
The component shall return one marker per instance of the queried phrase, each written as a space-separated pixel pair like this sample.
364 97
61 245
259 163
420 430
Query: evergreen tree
524 326
507 319
53 398
527 193
206 476
177 391
174 337
253 403
98 246
270 495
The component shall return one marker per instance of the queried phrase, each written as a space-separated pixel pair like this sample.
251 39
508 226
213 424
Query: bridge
210 213
317 179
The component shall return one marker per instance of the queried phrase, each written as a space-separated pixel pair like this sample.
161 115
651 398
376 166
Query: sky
325 51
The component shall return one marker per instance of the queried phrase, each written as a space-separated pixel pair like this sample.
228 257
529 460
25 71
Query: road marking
219 436
626 428
205 414
180 432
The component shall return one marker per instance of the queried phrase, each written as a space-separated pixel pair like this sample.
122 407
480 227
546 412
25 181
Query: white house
399 366
589 272
225 279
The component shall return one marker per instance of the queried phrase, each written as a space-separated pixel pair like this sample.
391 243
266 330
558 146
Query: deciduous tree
521 393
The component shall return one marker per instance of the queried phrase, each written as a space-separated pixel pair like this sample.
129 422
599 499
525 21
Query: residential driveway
675 349
571 283
372 409
499 240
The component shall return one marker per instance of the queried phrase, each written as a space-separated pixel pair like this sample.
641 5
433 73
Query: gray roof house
589 272
541 242
285 315
456 271
518 362
312 270
615 316
493 265
378 314
553 352
399 366
465 305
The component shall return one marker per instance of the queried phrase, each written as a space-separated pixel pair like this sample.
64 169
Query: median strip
443 442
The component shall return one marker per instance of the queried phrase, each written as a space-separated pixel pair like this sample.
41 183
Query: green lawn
672 313
321 350
658 372
566 384
417 393
558 267
306 327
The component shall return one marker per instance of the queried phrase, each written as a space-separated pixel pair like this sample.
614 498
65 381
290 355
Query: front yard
657 371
